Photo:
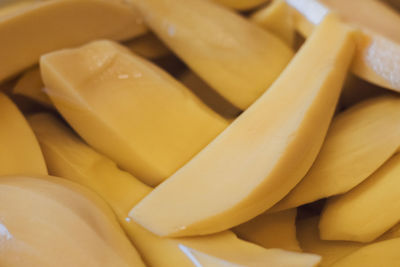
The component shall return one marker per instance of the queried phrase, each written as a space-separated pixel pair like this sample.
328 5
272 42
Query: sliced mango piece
148 46
129 109
19 150
235 57
241 4
31 86
367 211
385 253
378 49
358 142
277 230
52 25
277 17
255 162
49 221
70 157
330 251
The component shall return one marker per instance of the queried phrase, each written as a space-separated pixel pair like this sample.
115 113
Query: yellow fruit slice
358 142
277 17
367 211
129 109
277 230
52 25
31 86
19 150
241 4
385 253
71 158
330 251
235 57
264 153
378 49
53 222
148 46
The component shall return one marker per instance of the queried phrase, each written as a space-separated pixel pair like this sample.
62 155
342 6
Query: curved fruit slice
70 157
358 142
367 211
255 162
385 253
47 26
31 86
235 57
148 46
241 4
330 251
378 49
20 152
277 230
52 222
129 109
277 17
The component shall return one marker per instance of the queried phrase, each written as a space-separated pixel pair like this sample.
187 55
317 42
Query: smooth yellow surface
48 221
44 26
264 153
129 109
358 142
71 158
276 230
378 49
277 17
385 253
241 4
31 86
235 57
330 251
367 211
148 46
19 150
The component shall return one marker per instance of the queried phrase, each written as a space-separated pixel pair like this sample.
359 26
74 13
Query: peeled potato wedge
33 28
71 158
19 150
241 4
129 109
276 230
378 48
235 57
244 171
368 210
358 142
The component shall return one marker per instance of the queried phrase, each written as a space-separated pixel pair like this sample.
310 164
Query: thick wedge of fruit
264 153
378 48
129 109
49 221
31 86
235 57
367 211
52 25
20 152
277 17
276 230
358 142
241 4
148 46
385 253
71 158
330 251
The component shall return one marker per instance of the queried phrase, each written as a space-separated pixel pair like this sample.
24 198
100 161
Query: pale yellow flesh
244 171
277 17
367 211
148 46
69 157
31 86
47 26
385 253
330 251
378 49
235 57
129 109
358 142
19 150
48 221
276 230
241 4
